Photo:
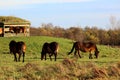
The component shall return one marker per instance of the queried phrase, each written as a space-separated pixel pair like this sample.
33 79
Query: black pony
17 47
51 49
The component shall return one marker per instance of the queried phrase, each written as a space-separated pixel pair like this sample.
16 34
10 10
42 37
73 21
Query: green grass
34 46
10 69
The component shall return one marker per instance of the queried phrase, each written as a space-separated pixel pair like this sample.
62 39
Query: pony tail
72 49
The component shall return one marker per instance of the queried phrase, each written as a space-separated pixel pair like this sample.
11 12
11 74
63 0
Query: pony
17 47
17 30
85 47
50 49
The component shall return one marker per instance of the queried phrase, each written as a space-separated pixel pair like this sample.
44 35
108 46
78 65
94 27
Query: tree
75 33
114 23
58 32
91 34
103 37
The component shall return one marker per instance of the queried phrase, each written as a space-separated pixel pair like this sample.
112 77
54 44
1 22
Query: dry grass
68 69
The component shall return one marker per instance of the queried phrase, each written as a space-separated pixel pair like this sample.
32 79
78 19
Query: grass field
106 67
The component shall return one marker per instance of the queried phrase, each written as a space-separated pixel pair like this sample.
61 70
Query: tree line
99 36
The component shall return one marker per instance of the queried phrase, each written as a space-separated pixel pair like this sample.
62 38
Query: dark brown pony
85 47
51 49
17 47
18 30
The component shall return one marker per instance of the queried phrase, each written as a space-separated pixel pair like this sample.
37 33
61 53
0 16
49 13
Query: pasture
66 67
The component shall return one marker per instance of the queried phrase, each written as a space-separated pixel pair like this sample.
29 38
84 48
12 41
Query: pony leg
15 58
90 56
75 52
79 53
55 56
96 54
19 57
23 56
50 57
45 56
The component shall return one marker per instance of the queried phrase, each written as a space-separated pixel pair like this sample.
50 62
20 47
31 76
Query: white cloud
4 4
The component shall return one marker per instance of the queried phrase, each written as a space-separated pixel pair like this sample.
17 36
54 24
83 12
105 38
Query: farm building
14 26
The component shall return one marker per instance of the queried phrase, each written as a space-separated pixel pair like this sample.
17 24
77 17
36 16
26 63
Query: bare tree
114 23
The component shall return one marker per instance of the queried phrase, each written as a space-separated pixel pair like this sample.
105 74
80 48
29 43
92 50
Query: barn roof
11 20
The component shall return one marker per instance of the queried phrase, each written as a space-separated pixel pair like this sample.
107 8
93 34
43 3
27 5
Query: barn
14 26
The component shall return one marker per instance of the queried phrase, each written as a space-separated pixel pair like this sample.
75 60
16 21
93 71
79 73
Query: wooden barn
14 26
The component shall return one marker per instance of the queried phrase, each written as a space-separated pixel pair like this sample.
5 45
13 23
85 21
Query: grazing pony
17 47
85 47
51 49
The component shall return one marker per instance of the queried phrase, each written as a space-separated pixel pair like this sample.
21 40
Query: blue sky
63 13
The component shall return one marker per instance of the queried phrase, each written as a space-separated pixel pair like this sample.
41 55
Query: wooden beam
18 25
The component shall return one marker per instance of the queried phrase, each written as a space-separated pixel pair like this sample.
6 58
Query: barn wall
13 34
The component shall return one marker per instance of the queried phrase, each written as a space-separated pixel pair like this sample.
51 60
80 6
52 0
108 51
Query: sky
63 13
